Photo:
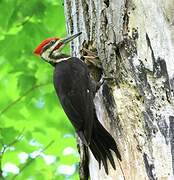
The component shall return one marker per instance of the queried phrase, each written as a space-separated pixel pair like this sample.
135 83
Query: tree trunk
134 41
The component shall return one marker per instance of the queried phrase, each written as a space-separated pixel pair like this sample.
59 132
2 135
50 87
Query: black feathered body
76 93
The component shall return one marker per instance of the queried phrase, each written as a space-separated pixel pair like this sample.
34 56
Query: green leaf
25 82
9 135
28 99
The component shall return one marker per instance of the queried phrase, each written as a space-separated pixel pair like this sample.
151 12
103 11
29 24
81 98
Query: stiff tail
101 145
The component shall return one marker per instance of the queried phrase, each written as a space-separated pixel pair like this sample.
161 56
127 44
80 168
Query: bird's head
50 49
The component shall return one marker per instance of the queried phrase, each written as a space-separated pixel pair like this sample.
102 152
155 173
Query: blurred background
37 140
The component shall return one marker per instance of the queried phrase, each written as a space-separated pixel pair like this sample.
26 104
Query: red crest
38 49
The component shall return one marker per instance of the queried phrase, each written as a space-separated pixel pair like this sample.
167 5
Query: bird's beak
69 38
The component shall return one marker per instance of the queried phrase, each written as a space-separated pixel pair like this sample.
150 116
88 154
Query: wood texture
134 41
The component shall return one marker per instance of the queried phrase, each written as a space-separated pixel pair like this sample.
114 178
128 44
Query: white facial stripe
53 46
59 50
46 54
60 60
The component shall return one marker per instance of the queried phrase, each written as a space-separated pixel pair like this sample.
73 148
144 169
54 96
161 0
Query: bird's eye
52 42
47 46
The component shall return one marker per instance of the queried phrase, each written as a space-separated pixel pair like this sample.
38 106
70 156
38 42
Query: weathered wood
134 41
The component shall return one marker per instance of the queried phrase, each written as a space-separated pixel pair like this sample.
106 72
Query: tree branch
4 110
31 160
4 148
22 96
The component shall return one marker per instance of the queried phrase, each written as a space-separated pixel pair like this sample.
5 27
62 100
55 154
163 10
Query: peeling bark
134 41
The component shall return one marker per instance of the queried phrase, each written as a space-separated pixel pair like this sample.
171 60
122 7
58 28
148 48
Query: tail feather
101 154
107 139
95 151
101 145
110 157
107 152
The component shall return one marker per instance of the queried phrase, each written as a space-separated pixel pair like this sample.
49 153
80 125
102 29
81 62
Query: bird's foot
102 81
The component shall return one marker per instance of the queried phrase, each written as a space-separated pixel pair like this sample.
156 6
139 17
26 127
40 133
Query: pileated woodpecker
75 90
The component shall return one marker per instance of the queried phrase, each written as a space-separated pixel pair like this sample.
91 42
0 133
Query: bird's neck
58 58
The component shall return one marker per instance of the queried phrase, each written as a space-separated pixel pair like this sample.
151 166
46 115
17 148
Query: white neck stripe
60 60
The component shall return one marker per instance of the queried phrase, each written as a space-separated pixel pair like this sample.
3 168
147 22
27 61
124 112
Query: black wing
73 86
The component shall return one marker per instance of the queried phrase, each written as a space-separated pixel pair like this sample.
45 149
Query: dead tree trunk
134 41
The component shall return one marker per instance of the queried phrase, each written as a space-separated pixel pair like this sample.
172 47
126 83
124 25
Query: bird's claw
102 81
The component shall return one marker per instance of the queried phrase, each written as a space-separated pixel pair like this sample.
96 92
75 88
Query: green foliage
35 135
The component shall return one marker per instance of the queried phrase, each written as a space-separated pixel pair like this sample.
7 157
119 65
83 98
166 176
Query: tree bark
134 41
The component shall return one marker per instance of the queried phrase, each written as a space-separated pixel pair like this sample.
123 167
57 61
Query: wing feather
73 86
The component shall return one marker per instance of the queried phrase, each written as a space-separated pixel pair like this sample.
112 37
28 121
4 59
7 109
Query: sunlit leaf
30 112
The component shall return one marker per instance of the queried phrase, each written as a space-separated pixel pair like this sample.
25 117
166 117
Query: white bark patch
150 17
140 116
